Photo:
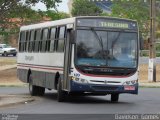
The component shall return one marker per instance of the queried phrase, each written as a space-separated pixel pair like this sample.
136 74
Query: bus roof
63 22
48 24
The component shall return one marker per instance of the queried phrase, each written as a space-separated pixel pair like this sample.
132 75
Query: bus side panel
44 79
22 74
38 78
50 80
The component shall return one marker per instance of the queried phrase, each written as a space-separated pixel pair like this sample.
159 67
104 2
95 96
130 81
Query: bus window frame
61 39
52 39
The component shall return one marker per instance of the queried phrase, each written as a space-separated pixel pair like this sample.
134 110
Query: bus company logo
106 70
29 58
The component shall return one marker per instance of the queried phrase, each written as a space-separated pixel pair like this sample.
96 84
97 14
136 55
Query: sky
62 6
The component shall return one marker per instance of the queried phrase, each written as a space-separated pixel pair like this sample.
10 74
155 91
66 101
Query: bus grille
104 88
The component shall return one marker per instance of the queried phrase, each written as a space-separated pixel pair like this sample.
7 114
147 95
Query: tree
85 8
55 15
133 9
15 8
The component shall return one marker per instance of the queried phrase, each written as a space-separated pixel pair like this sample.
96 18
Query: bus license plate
129 87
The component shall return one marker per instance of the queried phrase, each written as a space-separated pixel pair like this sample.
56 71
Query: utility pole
152 53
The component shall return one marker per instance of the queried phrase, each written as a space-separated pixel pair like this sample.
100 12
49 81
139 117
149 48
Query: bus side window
61 37
22 40
37 39
44 39
52 38
31 41
26 41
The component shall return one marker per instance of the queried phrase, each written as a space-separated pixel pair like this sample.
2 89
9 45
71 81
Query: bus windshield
106 48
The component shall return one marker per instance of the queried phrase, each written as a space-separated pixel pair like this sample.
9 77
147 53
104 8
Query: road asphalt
7 100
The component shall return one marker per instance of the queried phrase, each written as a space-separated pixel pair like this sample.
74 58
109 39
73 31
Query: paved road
148 101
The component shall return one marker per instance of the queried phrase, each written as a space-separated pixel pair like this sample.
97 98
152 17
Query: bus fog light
77 79
83 81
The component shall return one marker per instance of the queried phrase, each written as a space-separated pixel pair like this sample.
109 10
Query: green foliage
14 13
84 8
133 9
49 3
54 15
21 10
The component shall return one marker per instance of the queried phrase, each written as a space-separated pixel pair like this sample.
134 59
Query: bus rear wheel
35 90
114 97
61 93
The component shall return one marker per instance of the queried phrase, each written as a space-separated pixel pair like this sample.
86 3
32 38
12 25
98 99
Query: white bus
87 55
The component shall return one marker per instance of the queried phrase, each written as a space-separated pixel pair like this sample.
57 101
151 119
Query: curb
25 100
150 85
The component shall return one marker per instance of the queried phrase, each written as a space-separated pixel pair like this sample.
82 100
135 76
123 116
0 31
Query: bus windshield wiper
99 41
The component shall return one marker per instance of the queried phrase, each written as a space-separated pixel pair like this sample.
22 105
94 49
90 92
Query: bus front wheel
61 93
114 97
35 90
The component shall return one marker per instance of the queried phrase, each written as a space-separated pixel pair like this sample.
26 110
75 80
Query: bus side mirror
141 42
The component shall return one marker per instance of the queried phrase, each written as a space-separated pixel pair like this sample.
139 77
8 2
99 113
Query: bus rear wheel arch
35 90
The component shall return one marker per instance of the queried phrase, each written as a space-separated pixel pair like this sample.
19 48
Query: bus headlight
133 82
79 80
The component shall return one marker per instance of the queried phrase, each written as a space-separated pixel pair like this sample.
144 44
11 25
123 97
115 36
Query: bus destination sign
114 25
107 23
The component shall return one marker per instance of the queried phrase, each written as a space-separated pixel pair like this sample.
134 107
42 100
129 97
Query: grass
13 85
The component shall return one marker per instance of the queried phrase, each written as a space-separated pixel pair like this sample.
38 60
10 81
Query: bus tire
114 97
61 93
41 91
33 90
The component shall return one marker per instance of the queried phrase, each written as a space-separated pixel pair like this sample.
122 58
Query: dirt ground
143 75
8 77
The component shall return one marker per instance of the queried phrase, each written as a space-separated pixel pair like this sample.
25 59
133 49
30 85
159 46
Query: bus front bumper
108 89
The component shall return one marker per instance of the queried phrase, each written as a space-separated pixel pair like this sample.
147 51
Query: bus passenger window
60 42
52 39
31 41
60 46
22 39
62 32
37 39
44 40
26 41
